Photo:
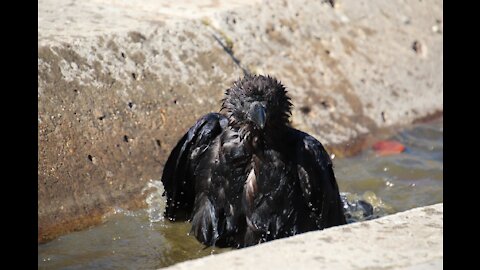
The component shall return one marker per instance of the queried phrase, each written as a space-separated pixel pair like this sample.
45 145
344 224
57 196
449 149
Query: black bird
244 176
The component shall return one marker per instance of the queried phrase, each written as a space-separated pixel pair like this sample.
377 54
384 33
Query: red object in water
384 148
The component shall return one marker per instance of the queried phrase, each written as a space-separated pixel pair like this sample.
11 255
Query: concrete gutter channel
119 82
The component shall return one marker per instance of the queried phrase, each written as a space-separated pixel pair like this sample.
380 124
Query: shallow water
143 240
398 182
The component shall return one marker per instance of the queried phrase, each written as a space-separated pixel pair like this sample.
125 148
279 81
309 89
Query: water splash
155 201
118 211
365 207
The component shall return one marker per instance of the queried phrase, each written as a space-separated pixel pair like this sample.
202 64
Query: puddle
144 240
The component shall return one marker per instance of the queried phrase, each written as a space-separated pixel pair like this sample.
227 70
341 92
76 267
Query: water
144 240
398 182
127 240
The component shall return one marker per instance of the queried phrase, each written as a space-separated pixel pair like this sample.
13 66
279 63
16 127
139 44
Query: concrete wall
119 83
409 240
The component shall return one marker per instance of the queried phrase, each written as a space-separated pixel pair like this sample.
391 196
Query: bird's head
258 103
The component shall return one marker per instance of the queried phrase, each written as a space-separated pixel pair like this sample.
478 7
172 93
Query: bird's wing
317 181
177 178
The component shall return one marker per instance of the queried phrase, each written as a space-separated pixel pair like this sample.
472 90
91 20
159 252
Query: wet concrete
119 83
408 240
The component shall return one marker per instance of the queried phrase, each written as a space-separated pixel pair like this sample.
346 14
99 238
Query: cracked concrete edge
407 240
116 94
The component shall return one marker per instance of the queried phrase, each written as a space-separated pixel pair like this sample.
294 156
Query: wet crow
244 176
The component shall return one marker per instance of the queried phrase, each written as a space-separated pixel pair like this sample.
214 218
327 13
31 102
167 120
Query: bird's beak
257 115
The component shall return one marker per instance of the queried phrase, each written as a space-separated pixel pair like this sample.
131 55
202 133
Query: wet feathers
244 176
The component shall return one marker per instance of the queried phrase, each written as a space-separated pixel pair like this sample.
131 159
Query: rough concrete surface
408 240
119 82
